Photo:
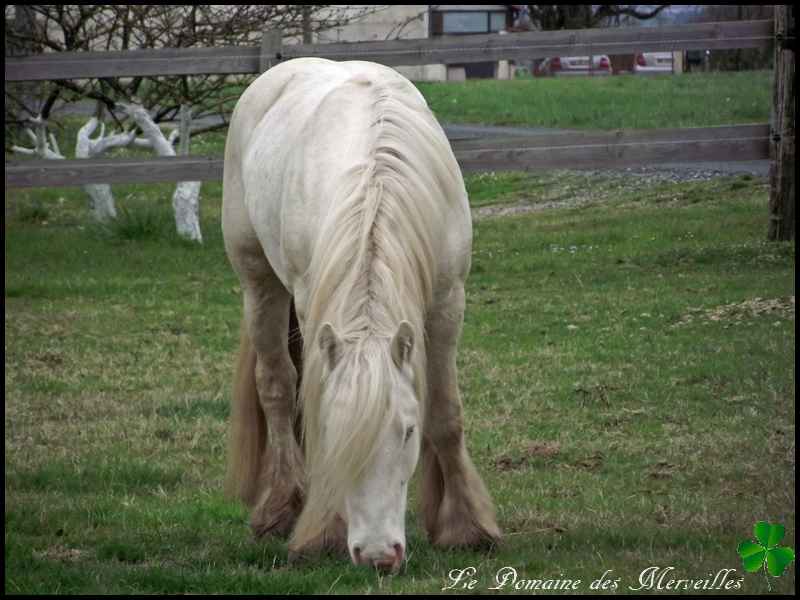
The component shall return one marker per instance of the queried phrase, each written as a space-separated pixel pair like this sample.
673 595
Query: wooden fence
579 150
460 49
569 150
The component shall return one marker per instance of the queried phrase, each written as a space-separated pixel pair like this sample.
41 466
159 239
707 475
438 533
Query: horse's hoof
277 529
333 540
467 532
476 541
295 558
276 518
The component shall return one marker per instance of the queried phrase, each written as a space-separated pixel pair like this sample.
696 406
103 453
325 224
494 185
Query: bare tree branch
396 32
136 26
580 16
617 10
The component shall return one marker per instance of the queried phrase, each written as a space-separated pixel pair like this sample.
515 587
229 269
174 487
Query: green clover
766 553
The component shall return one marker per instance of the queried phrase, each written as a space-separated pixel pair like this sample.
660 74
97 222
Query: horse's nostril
357 554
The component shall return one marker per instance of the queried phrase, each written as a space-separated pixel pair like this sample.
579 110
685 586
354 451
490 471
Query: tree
147 102
64 28
549 17
740 59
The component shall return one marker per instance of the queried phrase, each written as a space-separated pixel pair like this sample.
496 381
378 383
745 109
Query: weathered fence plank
271 47
565 150
543 44
43 173
578 150
616 137
611 155
783 191
454 49
134 63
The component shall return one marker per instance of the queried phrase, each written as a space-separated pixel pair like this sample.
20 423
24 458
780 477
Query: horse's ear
329 344
402 344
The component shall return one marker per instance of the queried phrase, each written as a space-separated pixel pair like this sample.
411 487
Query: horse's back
295 132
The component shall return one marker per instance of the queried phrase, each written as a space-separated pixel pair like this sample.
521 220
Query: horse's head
371 430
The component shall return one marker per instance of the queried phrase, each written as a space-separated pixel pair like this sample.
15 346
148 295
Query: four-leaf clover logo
766 551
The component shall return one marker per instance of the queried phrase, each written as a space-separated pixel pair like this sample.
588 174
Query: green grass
627 368
630 102
689 100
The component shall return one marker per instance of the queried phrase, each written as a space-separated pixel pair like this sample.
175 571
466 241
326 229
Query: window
464 22
497 22
459 22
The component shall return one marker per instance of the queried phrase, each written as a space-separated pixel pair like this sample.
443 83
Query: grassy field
607 102
689 100
627 369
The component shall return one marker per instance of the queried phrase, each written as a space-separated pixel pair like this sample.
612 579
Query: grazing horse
341 194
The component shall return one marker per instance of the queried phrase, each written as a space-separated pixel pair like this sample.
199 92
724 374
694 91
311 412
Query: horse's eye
409 433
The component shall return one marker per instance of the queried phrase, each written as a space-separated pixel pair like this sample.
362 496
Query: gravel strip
631 179
681 172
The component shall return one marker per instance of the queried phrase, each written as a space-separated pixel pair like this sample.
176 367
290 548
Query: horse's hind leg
457 509
277 497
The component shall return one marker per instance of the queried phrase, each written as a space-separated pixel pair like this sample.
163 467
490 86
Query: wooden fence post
782 186
271 48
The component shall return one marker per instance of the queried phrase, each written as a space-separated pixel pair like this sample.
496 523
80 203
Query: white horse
342 193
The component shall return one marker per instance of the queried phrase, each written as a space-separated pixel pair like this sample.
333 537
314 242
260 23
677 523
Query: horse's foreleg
457 508
279 496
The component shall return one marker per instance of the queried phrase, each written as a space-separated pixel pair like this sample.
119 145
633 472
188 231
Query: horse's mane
372 267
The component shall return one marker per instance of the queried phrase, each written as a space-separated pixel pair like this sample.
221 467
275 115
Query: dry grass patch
738 313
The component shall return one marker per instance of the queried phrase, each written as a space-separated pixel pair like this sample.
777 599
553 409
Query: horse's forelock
355 407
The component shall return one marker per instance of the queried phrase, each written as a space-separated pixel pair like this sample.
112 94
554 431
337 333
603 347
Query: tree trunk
782 186
101 199
186 198
186 202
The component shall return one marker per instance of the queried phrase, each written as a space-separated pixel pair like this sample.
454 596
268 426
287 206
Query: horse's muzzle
388 562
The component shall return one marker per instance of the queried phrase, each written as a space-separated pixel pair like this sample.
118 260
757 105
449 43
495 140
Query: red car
560 66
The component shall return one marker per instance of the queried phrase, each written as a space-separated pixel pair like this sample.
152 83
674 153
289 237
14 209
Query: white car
653 63
560 66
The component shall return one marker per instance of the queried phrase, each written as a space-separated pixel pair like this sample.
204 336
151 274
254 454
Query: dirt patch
61 553
49 359
662 470
521 208
575 189
739 312
532 451
590 463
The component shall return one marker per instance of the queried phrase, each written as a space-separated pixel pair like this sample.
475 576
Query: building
415 21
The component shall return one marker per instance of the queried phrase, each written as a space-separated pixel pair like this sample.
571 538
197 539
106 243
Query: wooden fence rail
544 44
614 149
460 49
607 149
